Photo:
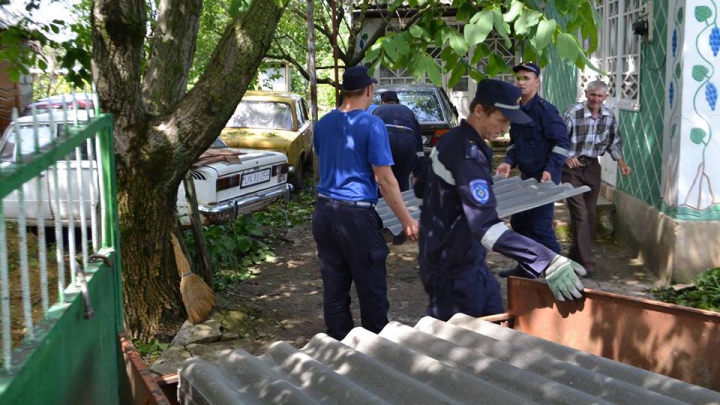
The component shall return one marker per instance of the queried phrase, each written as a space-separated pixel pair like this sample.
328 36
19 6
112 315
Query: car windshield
27 143
262 114
425 104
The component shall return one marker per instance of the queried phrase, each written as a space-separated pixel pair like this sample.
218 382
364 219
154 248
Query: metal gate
60 285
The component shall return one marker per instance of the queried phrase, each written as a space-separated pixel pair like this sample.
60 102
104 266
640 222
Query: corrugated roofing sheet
513 195
463 361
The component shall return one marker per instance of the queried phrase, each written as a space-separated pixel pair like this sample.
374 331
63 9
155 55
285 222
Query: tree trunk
157 140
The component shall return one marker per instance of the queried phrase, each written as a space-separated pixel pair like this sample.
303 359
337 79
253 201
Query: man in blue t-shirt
354 158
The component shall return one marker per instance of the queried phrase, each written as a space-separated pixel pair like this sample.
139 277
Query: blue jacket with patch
459 221
541 145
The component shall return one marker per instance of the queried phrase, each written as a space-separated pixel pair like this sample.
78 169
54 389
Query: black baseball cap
504 96
356 78
389 96
529 66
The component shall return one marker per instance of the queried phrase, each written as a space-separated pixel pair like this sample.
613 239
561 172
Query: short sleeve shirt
349 144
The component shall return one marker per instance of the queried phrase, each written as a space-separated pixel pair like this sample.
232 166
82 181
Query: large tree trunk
157 140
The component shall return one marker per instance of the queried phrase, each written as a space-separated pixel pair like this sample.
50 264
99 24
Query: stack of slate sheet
462 361
513 195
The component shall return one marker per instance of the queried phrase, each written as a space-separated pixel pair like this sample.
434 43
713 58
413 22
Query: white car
228 182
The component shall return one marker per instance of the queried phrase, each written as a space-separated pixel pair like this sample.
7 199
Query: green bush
704 295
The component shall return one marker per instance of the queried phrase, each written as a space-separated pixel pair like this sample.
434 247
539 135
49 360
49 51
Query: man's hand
625 169
412 229
503 169
573 162
562 278
546 176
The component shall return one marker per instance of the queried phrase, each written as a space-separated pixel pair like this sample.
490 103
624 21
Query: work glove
562 278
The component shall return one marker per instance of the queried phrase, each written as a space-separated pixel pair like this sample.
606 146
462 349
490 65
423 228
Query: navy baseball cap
503 96
529 66
390 96
356 78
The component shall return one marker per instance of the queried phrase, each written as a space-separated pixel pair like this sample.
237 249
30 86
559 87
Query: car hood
258 138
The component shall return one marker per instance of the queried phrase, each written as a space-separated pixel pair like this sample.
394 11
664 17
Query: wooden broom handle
181 261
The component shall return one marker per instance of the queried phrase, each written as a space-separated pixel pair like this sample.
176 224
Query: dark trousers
582 210
351 247
475 292
403 148
537 224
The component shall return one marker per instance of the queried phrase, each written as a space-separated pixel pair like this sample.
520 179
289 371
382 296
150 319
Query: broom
198 298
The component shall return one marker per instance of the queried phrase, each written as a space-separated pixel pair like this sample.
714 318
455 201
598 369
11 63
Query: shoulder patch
480 191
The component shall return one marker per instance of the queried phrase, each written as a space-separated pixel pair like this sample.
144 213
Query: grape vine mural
701 135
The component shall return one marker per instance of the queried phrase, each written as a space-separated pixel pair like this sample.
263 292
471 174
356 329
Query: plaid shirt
592 137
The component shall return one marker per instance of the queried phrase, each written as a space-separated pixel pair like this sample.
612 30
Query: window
262 114
618 54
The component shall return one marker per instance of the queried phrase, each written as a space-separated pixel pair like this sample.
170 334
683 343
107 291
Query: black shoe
399 239
515 272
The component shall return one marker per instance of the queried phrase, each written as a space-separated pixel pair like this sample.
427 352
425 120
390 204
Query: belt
364 204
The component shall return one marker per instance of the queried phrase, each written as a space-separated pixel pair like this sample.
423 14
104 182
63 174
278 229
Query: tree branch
171 56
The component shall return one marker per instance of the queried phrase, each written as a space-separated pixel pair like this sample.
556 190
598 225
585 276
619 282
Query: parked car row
228 182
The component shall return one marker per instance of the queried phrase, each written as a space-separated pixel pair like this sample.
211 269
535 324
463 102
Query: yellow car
275 121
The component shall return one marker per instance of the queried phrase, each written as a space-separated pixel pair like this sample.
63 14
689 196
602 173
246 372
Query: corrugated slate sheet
513 195
463 361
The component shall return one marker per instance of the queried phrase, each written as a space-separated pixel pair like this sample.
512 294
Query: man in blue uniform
354 159
459 221
405 137
539 148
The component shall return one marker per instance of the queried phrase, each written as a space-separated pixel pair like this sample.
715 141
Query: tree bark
155 143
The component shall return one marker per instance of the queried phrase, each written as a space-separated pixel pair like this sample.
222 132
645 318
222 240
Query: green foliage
234 247
149 351
299 211
705 294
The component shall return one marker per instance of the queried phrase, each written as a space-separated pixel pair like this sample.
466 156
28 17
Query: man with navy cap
539 149
405 142
459 221
354 159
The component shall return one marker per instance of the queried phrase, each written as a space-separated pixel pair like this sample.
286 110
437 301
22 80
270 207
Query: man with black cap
354 159
539 148
459 221
405 141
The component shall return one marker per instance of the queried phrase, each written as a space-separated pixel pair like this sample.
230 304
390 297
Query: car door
35 192
85 188
305 128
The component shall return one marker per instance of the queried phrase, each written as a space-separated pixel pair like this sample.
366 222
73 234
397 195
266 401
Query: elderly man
593 131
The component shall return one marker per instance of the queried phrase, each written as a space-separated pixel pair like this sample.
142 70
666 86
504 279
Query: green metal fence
60 280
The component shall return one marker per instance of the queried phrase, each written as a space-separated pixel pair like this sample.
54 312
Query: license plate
253 178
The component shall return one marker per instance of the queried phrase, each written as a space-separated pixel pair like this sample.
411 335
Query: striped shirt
592 137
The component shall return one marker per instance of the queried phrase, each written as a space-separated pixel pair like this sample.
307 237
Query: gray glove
562 278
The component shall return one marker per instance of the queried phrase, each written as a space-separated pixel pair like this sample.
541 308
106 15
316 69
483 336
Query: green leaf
678 71
501 27
699 73
544 34
567 47
702 13
496 64
416 31
481 51
515 10
457 43
433 71
478 31
562 6
389 47
458 72
527 20
697 135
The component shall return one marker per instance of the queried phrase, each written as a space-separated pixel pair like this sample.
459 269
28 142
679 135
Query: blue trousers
475 292
351 248
537 224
